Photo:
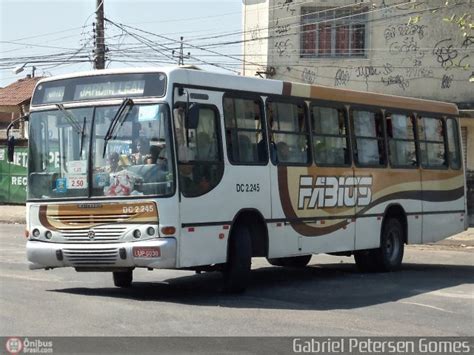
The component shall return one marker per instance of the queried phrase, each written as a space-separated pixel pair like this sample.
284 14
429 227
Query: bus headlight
36 233
48 235
137 234
150 231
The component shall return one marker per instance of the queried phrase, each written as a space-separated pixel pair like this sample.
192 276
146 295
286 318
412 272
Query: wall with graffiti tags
411 48
255 36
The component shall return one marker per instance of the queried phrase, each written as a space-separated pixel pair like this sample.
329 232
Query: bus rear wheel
292 261
123 278
239 261
390 254
388 257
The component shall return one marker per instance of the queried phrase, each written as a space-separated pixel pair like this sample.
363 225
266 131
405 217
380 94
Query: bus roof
194 76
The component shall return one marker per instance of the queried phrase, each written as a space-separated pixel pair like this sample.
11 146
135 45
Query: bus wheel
239 260
390 254
123 278
292 261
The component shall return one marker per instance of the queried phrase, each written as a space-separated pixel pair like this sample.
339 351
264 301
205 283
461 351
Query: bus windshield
74 154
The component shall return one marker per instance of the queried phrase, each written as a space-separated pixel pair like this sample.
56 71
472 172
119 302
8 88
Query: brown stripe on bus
286 88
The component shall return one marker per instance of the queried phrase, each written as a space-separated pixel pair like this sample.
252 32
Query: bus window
431 137
289 133
401 140
136 160
330 138
453 144
244 134
200 165
369 138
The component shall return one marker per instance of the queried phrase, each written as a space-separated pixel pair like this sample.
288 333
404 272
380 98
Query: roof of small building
18 92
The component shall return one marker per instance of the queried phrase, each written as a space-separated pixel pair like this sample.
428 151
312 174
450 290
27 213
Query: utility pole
99 58
181 55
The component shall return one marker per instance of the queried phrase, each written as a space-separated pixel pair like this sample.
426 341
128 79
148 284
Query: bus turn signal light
168 230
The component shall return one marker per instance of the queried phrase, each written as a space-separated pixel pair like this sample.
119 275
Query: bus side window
369 142
330 138
401 140
289 132
245 138
432 142
200 166
453 143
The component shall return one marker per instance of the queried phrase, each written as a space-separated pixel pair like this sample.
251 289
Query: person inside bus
282 152
152 157
245 149
113 166
204 147
140 155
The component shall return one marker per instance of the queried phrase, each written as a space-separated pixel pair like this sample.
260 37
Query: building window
333 32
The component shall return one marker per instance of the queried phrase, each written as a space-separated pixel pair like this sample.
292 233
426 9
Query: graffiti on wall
308 76
342 77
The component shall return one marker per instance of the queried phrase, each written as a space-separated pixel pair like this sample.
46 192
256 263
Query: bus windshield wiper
117 121
83 133
70 118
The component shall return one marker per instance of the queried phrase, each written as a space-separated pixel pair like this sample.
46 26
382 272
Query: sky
63 28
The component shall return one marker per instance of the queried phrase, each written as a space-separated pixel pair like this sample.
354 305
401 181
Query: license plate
146 252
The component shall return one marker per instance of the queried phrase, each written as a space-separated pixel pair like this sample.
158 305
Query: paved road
432 295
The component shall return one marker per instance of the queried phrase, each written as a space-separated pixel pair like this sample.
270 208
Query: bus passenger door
200 169
219 171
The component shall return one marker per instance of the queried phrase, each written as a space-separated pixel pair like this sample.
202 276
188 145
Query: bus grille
101 234
91 257
85 220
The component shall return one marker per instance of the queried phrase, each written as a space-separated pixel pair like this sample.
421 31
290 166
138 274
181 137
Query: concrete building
414 48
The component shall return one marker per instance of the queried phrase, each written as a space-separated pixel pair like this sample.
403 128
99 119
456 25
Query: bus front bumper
158 253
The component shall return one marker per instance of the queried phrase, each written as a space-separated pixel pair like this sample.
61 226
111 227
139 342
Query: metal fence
13 176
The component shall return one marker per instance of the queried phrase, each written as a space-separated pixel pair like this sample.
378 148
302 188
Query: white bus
185 169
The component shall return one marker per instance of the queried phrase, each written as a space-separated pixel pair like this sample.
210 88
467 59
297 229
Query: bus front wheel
123 278
239 261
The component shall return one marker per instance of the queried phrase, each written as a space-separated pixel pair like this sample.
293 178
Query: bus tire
390 254
239 261
123 278
292 261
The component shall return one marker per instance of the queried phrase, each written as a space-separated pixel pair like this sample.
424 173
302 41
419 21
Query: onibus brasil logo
15 345
334 191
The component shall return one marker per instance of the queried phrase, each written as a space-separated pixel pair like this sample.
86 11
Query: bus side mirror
192 117
10 148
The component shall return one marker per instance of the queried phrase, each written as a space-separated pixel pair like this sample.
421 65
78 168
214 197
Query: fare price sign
77 174
77 181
